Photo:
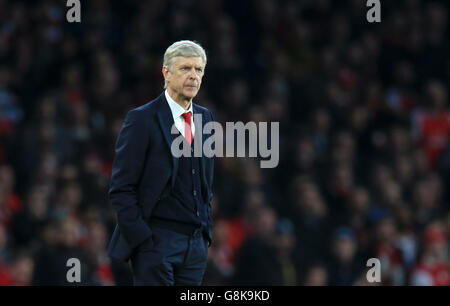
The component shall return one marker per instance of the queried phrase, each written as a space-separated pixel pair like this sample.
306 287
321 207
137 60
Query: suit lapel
166 122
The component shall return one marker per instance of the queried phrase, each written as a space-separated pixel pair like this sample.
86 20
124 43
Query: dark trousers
173 259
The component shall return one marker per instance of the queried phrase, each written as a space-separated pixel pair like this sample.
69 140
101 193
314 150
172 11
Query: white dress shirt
177 112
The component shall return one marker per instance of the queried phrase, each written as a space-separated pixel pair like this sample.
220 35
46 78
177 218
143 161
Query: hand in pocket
147 245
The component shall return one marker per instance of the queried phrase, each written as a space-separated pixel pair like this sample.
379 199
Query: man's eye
199 70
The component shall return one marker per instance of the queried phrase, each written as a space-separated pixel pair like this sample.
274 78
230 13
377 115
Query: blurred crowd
364 118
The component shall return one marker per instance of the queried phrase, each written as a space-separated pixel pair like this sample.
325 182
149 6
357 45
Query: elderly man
162 202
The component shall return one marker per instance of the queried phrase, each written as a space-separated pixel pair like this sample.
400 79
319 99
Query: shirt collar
176 108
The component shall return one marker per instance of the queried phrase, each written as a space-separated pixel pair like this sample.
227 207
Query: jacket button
193 171
195 193
198 214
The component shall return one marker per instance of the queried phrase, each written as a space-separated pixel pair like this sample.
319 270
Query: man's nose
193 74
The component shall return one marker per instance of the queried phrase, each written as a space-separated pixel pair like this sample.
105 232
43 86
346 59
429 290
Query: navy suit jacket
143 166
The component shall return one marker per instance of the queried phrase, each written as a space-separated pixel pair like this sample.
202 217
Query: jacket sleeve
130 153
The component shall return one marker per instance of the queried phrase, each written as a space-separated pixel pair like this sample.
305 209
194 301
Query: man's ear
165 72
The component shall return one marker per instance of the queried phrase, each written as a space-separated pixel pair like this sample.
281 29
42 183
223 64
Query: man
162 202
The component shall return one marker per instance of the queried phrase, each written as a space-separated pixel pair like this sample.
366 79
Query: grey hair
185 48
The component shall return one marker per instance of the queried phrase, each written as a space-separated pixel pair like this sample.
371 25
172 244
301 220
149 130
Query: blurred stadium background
364 141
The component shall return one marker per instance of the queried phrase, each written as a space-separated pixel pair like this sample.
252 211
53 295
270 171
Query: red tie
187 127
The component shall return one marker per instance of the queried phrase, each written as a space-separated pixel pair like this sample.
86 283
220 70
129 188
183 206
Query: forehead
188 61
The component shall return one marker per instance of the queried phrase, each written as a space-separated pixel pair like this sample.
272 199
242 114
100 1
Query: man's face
185 77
